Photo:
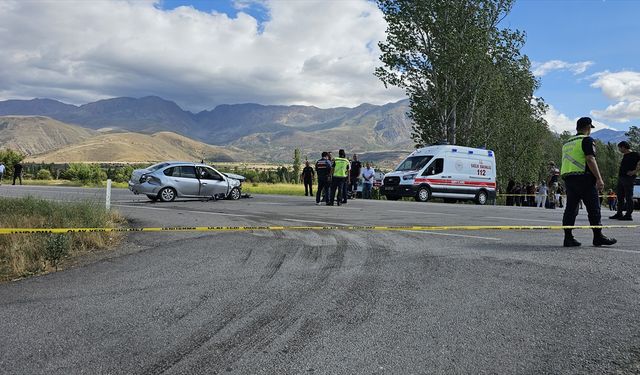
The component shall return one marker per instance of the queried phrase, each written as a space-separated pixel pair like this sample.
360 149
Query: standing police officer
583 182
323 171
339 180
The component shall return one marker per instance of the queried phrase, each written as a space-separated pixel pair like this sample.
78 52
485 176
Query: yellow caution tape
310 228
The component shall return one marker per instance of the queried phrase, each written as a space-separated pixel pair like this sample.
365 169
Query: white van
449 172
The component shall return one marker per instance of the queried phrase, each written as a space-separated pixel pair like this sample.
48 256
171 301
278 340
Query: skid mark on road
453 235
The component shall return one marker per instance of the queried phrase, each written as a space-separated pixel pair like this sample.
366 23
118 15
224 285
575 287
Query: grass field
28 254
280 189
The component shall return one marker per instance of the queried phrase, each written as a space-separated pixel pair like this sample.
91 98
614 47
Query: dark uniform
624 189
17 173
307 179
323 171
354 176
580 182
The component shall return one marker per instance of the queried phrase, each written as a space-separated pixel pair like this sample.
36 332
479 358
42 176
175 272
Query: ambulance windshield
414 163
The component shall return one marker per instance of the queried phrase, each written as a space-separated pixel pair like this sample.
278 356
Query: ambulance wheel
482 197
423 194
392 197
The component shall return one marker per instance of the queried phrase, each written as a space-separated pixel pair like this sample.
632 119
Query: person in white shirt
1 172
543 192
367 183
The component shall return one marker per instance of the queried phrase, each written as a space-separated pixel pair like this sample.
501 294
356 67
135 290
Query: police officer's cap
584 122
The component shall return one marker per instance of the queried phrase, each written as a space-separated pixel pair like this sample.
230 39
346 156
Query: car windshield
155 167
414 163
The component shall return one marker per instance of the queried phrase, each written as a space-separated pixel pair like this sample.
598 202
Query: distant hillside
136 147
609 136
270 131
37 134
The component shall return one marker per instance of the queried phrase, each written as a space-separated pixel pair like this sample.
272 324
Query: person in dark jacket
17 173
323 171
629 168
354 176
307 178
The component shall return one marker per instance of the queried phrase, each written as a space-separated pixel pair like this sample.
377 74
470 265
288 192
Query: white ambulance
444 171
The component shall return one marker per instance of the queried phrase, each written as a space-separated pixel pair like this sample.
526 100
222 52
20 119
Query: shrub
85 173
43 174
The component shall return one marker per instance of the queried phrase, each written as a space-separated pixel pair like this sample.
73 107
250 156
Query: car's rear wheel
234 194
423 194
167 194
482 198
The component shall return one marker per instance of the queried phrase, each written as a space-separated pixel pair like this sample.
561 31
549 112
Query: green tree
296 166
634 137
466 79
10 158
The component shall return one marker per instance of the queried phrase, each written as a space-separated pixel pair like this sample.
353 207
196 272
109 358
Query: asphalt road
329 302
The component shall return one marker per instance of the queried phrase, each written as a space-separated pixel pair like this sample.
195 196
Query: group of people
338 178
543 195
17 172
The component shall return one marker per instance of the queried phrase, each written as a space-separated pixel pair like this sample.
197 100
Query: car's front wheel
234 194
167 194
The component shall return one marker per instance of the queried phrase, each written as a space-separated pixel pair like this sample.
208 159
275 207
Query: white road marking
317 222
513 218
454 235
181 210
423 213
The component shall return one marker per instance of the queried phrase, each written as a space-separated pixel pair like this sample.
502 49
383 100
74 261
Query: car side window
187 172
435 168
209 174
169 171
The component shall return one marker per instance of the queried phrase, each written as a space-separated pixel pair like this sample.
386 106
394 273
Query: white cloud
559 122
622 87
308 52
543 68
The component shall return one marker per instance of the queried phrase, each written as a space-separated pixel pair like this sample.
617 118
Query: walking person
307 178
367 181
17 172
339 179
553 183
611 200
2 168
629 168
354 176
583 181
542 195
323 171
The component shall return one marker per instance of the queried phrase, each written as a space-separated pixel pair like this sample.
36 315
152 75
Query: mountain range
139 129
265 132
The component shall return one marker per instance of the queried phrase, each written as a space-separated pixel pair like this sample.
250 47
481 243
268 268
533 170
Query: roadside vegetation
23 255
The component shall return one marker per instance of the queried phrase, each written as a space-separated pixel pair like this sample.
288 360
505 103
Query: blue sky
201 54
606 33
600 34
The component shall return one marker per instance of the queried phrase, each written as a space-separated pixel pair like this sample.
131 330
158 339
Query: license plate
388 188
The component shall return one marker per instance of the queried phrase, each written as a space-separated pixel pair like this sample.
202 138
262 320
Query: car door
186 181
212 183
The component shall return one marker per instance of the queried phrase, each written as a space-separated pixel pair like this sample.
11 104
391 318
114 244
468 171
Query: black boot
616 216
600 239
569 241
